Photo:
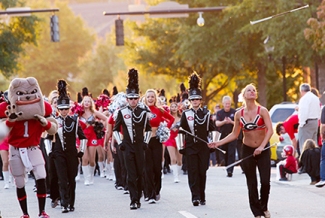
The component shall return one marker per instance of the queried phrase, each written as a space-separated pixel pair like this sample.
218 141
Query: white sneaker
320 184
87 183
77 177
6 186
151 201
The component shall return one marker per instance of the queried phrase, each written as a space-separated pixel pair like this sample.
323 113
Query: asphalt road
226 198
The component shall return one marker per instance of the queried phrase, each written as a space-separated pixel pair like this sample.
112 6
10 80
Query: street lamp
269 48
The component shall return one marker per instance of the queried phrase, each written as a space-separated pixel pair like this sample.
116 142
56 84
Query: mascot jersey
26 133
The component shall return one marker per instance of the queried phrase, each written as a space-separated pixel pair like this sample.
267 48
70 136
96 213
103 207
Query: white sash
25 159
127 117
190 120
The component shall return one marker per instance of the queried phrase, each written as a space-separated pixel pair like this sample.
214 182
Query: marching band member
136 135
196 120
63 153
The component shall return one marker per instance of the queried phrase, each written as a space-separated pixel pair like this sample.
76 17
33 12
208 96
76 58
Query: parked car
279 113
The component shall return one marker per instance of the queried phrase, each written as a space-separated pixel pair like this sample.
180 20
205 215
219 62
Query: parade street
226 198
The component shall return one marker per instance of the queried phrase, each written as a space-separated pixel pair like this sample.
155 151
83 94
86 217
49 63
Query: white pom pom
4 131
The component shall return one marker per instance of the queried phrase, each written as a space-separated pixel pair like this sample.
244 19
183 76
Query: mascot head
26 95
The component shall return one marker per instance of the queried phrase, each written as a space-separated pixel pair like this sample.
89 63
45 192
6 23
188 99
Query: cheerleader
153 155
175 156
88 118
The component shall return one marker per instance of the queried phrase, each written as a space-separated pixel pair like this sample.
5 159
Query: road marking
186 214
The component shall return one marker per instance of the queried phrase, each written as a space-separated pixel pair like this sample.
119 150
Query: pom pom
77 109
4 131
163 132
102 101
118 101
98 128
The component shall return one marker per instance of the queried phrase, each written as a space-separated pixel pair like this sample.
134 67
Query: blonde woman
154 152
88 118
175 156
255 122
310 160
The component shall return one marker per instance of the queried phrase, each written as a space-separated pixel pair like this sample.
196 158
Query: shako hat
132 90
195 87
63 99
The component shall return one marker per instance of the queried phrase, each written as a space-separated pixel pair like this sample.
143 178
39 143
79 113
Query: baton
181 129
239 161
277 15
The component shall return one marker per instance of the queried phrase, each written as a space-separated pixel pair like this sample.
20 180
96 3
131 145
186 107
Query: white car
279 113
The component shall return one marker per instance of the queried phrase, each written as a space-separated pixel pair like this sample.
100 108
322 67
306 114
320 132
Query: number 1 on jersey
26 129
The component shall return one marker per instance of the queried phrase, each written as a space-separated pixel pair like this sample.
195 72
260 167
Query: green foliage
15 32
49 61
99 68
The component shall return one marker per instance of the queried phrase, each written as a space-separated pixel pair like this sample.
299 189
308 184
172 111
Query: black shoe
229 174
133 206
138 204
71 208
195 202
55 203
64 210
202 202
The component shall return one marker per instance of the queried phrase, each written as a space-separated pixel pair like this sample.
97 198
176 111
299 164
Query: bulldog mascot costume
27 117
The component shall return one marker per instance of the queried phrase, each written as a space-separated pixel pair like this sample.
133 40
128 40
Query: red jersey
291 125
160 115
291 164
26 133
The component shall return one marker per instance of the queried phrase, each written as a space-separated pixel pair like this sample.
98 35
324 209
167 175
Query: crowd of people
125 137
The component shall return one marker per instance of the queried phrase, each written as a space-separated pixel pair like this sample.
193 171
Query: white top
309 108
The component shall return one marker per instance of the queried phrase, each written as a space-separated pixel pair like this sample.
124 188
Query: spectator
310 160
308 115
321 183
289 126
225 121
289 165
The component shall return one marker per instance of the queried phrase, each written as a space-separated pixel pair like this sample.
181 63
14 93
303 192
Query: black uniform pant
46 158
153 167
134 162
119 168
63 170
197 166
263 164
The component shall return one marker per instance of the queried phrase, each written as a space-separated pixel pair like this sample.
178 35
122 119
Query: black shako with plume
63 99
84 92
132 90
115 90
195 87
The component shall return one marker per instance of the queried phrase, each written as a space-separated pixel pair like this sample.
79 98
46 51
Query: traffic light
119 32
55 31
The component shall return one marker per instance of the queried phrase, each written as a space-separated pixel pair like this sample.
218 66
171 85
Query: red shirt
291 125
160 115
291 164
26 133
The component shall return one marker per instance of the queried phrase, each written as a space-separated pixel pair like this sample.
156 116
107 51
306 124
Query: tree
51 61
15 32
227 45
100 67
